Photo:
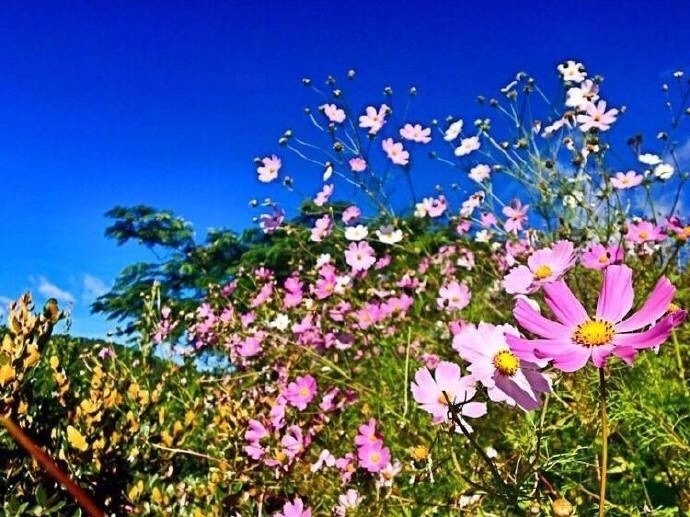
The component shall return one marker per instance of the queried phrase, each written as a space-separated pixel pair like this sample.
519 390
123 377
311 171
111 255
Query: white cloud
50 290
93 288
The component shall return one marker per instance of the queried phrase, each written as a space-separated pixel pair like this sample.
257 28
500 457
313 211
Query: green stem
604 442
679 360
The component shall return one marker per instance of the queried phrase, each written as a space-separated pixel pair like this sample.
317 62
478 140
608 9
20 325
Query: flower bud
561 508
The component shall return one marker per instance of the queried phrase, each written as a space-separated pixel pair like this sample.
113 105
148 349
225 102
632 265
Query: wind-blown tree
183 268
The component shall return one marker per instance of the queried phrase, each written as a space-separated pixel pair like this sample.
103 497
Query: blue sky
167 103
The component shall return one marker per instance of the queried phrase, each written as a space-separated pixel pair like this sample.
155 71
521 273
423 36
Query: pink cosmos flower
294 509
322 228
506 377
543 266
294 441
453 296
256 432
429 390
268 171
574 337
374 456
357 164
599 256
624 180
416 133
324 195
351 214
301 392
333 113
293 292
395 152
360 256
596 117
367 434
644 231
516 214
374 120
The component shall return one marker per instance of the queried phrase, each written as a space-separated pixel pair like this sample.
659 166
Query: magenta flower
598 256
574 337
360 256
395 152
294 509
505 377
516 214
367 434
268 170
429 390
543 266
374 456
453 296
301 391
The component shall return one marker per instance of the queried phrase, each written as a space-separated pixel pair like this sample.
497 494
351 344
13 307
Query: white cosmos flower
663 171
389 235
649 159
453 131
356 233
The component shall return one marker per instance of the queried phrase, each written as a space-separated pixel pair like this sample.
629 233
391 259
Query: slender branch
47 463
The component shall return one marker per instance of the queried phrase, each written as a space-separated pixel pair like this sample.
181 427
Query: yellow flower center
673 307
506 363
542 272
644 235
594 333
604 258
303 391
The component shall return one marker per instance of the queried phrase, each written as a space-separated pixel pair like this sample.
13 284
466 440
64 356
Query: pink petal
616 297
474 409
518 280
647 339
600 354
574 360
654 307
537 324
565 306
447 374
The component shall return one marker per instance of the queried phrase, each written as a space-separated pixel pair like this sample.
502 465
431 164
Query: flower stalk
604 442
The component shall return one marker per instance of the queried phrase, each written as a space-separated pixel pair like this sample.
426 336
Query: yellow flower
76 439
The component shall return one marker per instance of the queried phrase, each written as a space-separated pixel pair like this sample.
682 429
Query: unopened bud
561 508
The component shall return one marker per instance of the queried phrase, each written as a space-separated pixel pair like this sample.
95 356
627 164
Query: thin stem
679 360
604 442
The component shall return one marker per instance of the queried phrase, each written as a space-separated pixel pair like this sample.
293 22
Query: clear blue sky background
166 103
